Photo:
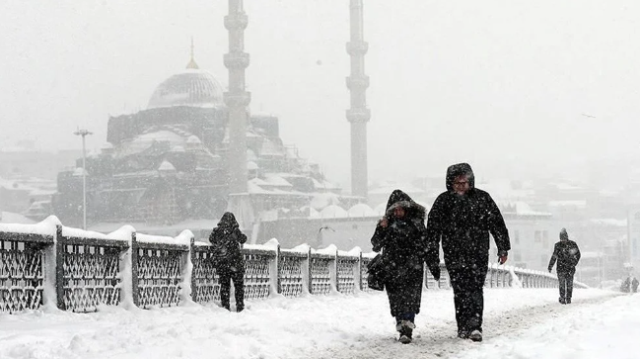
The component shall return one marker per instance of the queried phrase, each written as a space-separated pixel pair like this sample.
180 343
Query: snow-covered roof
166 166
334 211
322 200
312 212
324 184
145 140
361 210
193 140
275 180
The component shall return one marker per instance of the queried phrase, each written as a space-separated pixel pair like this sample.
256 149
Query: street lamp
84 133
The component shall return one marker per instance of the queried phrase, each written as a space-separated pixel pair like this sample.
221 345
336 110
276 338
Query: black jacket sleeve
498 228
378 239
212 236
433 236
554 256
240 237
577 255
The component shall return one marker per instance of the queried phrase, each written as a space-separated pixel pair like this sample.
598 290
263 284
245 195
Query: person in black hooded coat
567 253
226 241
462 217
400 235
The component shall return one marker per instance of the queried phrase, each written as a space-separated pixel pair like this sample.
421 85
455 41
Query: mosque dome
192 87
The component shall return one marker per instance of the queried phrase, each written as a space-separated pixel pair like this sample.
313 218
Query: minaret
358 114
237 99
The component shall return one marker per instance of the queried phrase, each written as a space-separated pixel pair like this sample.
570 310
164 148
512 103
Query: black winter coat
226 241
403 246
463 223
567 254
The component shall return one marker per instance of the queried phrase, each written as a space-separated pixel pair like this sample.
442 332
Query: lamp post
84 133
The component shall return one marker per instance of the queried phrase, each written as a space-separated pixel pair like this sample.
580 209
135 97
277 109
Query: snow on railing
48 264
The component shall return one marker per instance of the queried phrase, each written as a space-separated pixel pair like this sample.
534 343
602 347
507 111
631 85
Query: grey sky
478 81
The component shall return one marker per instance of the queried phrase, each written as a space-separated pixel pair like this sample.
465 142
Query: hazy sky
489 82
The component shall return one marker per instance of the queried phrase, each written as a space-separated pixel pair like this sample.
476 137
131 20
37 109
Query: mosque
197 151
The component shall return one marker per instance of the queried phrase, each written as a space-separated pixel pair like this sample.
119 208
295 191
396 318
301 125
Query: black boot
406 331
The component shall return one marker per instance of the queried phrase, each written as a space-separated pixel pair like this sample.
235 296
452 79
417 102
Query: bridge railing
49 264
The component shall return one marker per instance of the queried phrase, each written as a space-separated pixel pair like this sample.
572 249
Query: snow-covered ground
519 323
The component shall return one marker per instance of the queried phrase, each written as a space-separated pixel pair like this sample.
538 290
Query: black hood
459 169
401 199
228 222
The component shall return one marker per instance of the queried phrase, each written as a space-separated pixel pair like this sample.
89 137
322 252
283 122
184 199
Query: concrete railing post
59 258
274 272
135 258
192 255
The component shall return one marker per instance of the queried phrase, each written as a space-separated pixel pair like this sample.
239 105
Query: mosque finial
192 63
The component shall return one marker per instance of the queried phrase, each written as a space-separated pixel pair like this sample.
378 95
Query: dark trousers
565 282
226 276
468 297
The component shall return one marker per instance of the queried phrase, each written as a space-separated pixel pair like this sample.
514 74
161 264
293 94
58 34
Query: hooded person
567 254
400 235
226 241
462 218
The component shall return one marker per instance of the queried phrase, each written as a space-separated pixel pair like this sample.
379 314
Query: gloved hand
549 270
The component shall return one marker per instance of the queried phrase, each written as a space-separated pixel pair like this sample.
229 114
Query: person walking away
567 254
463 217
400 235
226 241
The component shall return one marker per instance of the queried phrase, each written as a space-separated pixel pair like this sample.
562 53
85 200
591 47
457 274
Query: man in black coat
567 253
226 241
462 217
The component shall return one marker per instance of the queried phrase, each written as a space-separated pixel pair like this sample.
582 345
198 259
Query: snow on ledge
330 250
123 233
302 248
183 238
81 233
46 227
355 251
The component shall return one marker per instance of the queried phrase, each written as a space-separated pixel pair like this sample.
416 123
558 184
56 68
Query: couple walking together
462 218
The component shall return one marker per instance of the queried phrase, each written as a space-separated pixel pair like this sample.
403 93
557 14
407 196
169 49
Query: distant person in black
462 217
400 235
226 241
567 253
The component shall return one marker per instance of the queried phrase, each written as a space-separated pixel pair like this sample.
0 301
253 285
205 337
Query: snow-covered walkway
519 323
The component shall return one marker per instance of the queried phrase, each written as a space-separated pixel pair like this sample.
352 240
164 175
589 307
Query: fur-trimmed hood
401 199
